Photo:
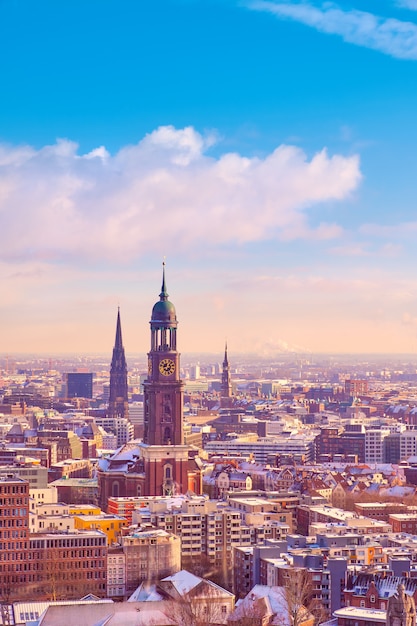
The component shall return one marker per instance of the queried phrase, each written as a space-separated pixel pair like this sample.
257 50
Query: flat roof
352 612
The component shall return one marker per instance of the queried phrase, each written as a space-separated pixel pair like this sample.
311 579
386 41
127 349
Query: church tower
226 385
162 464
163 390
165 456
118 399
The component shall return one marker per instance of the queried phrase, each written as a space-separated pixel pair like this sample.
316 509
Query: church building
162 464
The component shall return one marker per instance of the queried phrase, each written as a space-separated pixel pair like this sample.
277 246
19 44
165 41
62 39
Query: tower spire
118 399
226 385
225 360
164 294
118 343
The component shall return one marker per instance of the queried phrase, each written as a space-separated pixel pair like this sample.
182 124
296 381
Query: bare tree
299 594
204 607
253 615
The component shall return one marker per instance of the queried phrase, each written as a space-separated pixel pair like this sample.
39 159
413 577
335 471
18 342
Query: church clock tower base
166 469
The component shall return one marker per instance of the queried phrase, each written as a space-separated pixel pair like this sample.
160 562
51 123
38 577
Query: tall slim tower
164 464
118 399
165 456
226 386
163 390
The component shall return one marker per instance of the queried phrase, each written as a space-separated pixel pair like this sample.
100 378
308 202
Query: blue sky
266 148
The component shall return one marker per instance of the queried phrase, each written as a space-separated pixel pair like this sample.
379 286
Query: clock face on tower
167 367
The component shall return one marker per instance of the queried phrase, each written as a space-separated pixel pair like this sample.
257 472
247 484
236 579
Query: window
167 435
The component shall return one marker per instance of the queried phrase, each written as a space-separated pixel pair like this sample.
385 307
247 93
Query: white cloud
407 4
388 35
57 204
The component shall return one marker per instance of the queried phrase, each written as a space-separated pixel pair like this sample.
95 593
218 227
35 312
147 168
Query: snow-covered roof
146 593
183 581
265 600
117 614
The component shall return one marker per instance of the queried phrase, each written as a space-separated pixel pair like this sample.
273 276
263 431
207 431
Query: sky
265 148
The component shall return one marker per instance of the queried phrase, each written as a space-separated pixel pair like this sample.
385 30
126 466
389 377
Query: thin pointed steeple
118 398
226 385
164 294
225 360
118 343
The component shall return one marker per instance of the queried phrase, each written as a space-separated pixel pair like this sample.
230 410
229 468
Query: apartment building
302 448
408 444
116 572
67 565
206 527
120 426
374 444
150 555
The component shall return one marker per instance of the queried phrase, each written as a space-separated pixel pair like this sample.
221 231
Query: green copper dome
164 310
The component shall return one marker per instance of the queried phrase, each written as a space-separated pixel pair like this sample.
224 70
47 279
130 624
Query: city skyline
266 149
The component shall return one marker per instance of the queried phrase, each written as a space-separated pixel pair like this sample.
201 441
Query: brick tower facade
166 458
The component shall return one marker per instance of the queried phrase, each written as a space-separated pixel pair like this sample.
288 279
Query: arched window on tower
168 483
167 436
115 490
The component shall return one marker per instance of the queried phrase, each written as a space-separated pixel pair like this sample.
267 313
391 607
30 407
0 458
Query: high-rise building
408 444
79 385
374 444
118 426
118 398
195 372
136 411
14 537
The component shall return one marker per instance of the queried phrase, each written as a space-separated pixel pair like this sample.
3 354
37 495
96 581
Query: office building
79 385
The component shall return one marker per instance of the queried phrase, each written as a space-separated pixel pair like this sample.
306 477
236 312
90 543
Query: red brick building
48 566
67 565
367 591
403 522
14 536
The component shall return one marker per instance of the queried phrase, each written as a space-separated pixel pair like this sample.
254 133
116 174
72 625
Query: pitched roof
265 601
